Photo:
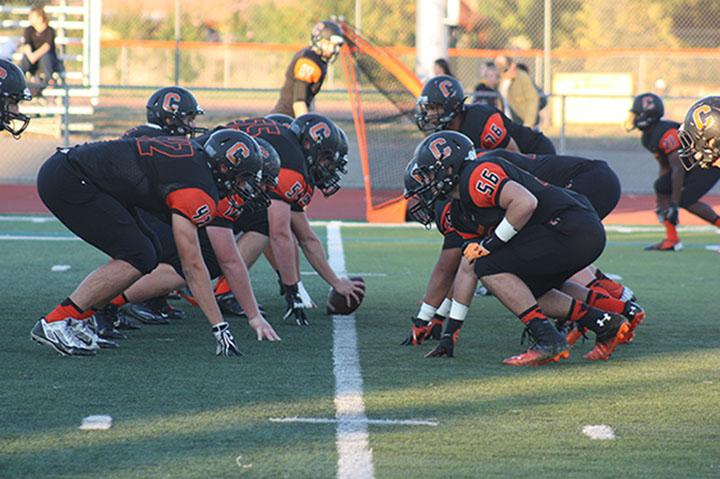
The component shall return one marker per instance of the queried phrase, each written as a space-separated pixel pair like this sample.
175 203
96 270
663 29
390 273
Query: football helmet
13 90
174 110
442 98
700 134
236 163
327 39
270 171
647 109
281 118
417 209
322 144
439 159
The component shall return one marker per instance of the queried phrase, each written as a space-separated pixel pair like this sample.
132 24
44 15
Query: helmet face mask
13 90
269 174
441 100
700 135
418 197
647 109
327 39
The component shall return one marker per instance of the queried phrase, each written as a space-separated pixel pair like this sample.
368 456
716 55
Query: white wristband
505 231
444 308
426 312
458 311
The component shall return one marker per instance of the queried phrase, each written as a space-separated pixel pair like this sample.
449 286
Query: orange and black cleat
539 354
665 245
634 313
419 331
615 330
446 346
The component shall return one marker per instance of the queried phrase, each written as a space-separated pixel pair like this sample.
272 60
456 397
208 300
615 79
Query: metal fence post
177 42
562 124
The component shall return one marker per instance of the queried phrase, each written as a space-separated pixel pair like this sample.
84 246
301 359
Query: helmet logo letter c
435 146
319 132
239 146
171 102
701 118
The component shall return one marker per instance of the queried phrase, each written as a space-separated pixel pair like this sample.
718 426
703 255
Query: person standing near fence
486 91
39 47
307 70
519 91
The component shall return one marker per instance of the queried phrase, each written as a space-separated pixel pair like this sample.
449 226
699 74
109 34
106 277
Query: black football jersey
489 128
147 129
162 175
482 180
558 170
661 139
295 184
303 79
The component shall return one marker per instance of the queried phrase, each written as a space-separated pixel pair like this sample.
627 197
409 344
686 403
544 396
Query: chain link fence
592 56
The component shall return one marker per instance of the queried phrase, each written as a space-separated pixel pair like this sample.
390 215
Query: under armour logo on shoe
605 318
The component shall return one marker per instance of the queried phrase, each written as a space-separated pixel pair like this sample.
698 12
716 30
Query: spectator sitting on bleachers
39 49
441 67
486 91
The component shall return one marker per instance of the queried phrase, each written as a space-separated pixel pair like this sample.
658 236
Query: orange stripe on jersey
230 210
291 185
307 70
485 181
192 203
468 236
494 132
670 141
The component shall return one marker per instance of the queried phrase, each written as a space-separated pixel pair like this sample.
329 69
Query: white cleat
60 336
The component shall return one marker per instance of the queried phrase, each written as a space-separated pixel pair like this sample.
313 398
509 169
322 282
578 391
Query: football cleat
665 245
161 306
572 332
144 314
635 314
59 336
419 331
229 305
436 327
615 330
103 323
548 346
85 333
446 346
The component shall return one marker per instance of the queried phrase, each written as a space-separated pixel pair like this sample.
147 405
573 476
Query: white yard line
381 422
37 238
354 454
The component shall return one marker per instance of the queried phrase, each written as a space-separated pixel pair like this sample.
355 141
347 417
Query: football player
540 236
700 135
674 188
171 111
94 190
13 90
592 178
219 251
313 154
441 106
306 73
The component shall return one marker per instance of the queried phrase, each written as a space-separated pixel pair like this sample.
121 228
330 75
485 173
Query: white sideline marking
600 432
37 238
354 454
60 268
99 422
713 247
28 219
381 422
377 275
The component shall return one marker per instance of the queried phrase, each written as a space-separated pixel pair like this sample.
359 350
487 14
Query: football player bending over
541 236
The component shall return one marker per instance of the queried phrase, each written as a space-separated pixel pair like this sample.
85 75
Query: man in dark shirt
39 46
305 74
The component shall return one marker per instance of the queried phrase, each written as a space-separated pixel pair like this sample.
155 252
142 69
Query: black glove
671 214
225 341
295 306
419 330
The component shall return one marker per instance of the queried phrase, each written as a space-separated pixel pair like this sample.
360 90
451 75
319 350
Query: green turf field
178 411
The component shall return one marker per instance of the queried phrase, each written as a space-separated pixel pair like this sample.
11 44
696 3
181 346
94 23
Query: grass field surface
178 411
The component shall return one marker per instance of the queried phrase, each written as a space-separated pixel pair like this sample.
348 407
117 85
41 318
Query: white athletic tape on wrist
505 231
426 312
444 308
458 311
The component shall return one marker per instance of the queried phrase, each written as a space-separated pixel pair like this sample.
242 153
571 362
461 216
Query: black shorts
452 240
95 216
542 145
169 250
698 181
252 220
600 185
544 256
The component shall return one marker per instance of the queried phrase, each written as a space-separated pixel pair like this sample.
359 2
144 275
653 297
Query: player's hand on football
350 289
263 329
225 342
295 307
419 331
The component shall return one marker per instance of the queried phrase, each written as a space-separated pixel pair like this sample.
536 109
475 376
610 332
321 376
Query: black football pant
600 185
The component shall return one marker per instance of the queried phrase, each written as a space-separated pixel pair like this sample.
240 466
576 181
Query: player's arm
236 273
281 241
194 269
313 251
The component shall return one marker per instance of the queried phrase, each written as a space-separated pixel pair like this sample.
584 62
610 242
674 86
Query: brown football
337 304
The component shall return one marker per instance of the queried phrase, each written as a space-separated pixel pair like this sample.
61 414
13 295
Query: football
337 304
